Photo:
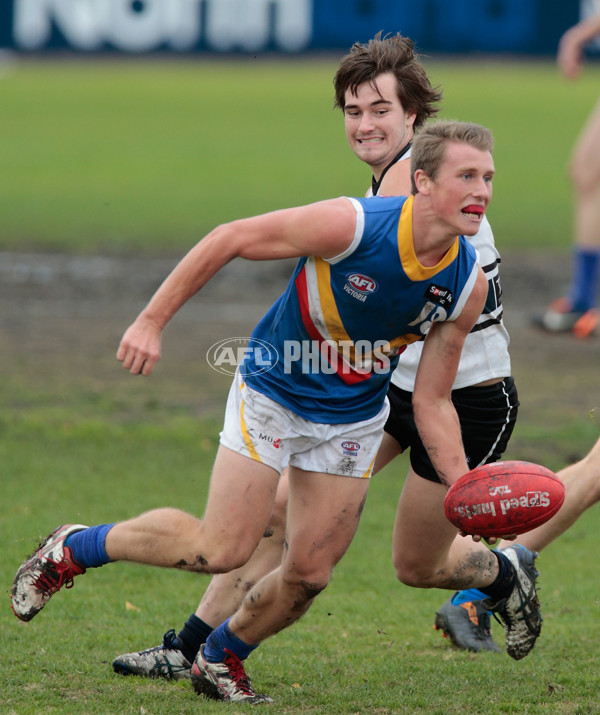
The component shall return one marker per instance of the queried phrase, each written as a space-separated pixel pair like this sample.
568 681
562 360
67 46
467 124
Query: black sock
193 634
505 580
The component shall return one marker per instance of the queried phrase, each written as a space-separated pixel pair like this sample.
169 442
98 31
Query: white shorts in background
264 430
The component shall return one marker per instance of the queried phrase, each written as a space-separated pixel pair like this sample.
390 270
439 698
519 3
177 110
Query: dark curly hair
395 54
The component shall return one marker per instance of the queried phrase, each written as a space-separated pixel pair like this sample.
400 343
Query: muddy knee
222 559
304 586
305 592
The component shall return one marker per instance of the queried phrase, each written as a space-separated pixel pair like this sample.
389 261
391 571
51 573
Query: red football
504 498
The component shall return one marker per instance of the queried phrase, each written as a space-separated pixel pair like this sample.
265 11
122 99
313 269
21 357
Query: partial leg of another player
582 490
428 553
577 312
462 617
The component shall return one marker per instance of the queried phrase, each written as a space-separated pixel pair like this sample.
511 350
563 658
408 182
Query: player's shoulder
382 204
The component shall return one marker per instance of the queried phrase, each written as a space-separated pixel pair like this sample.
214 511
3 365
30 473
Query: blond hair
430 143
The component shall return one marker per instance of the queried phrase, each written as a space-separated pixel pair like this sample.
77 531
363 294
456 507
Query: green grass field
122 157
149 156
366 646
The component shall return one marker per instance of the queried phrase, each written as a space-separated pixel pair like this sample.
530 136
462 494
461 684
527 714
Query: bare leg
388 450
323 514
567 314
585 176
240 498
427 552
226 591
466 625
582 490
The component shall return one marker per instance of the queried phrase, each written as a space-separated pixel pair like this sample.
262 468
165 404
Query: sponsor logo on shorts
360 286
229 354
350 448
275 441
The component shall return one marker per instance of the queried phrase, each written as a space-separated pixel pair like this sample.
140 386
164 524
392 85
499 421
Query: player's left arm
435 416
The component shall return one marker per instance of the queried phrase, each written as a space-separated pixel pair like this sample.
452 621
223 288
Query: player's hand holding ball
503 499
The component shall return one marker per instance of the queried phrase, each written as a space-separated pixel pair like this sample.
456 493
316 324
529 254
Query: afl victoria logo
361 283
350 447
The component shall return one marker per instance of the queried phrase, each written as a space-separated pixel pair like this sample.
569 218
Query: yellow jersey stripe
413 269
367 474
329 312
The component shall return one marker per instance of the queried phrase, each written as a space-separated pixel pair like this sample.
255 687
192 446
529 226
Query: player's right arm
325 228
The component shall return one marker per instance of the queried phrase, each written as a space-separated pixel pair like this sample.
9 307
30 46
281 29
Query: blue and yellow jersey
342 323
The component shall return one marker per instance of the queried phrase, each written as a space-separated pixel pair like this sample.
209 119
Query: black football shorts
487 417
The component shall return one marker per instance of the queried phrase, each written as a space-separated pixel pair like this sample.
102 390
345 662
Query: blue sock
87 546
471 594
584 282
221 638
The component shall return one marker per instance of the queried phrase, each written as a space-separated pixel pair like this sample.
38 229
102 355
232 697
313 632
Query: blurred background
289 26
131 124
132 127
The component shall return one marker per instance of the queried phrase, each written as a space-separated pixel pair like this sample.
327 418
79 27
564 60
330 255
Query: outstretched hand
140 347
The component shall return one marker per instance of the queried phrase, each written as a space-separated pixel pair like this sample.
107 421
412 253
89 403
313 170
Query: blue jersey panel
341 325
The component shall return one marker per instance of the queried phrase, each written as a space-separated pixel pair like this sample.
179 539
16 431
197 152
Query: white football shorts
264 430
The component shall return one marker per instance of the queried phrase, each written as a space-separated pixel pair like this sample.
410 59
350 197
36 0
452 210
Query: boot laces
237 673
55 575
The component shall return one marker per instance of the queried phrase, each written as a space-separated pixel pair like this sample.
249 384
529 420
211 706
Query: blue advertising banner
291 26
